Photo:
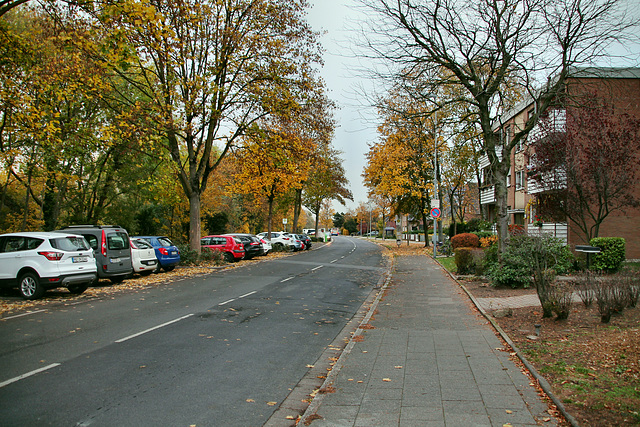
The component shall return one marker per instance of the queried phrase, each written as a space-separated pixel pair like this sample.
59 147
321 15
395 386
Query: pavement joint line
542 382
28 374
153 329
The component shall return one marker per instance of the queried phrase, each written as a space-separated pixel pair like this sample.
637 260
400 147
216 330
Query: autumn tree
403 165
75 156
207 71
493 50
326 182
586 168
271 161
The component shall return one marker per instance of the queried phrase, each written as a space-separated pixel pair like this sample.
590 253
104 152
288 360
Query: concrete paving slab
425 359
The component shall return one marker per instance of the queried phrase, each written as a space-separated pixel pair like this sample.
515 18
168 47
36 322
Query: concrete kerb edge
378 291
544 384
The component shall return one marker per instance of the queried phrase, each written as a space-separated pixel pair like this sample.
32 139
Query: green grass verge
449 263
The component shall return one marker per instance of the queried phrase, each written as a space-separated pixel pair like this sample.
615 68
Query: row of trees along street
454 68
141 113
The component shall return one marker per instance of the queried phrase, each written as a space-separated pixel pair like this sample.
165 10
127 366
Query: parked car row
77 256
238 246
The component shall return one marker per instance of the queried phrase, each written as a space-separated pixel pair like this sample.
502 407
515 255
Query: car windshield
142 244
117 240
164 241
70 243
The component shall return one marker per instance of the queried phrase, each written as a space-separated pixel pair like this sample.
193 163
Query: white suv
279 239
37 261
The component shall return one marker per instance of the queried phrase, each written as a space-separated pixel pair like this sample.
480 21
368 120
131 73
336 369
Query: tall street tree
493 50
208 70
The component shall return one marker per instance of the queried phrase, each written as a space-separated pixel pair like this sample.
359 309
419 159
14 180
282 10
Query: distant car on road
111 249
231 247
252 244
306 240
35 262
279 240
143 256
266 245
167 253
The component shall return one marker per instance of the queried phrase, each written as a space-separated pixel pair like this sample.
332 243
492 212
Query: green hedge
612 253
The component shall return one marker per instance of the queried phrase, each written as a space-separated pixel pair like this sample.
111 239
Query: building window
519 180
509 178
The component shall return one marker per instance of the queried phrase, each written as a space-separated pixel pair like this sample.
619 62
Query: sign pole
435 214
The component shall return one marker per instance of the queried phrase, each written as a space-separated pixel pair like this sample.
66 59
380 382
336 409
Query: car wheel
169 268
30 287
228 257
278 246
78 289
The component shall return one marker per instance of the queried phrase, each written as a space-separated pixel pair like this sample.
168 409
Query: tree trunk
194 221
501 206
296 210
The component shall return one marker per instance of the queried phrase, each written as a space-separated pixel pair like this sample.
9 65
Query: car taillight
52 256
132 245
254 243
163 251
285 238
103 244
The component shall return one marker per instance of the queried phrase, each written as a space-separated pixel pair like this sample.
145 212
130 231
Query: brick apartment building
619 87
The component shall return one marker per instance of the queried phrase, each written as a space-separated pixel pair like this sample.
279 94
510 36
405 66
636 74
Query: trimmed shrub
612 253
464 261
465 240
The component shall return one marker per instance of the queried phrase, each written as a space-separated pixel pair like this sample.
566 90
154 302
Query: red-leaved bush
465 240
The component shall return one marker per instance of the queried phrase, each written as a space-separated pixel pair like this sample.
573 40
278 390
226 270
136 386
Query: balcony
550 182
484 159
488 195
559 230
557 122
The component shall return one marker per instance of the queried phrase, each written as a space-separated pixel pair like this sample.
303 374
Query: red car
231 247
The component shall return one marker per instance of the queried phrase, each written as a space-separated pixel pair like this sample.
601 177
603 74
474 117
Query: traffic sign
435 213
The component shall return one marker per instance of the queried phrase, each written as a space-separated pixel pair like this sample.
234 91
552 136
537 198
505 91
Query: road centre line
286 280
28 374
318 267
153 329
228 301
246 295
23 314
335 260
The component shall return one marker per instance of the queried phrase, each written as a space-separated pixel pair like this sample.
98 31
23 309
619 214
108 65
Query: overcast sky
336 17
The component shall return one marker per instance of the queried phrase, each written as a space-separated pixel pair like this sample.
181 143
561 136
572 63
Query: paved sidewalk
428 359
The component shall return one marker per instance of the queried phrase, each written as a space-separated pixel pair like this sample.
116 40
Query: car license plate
114 260
79 259
174 253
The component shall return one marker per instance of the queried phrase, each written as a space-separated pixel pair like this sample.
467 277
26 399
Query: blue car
167 253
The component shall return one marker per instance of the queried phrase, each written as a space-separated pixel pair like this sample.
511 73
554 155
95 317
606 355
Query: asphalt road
220 350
